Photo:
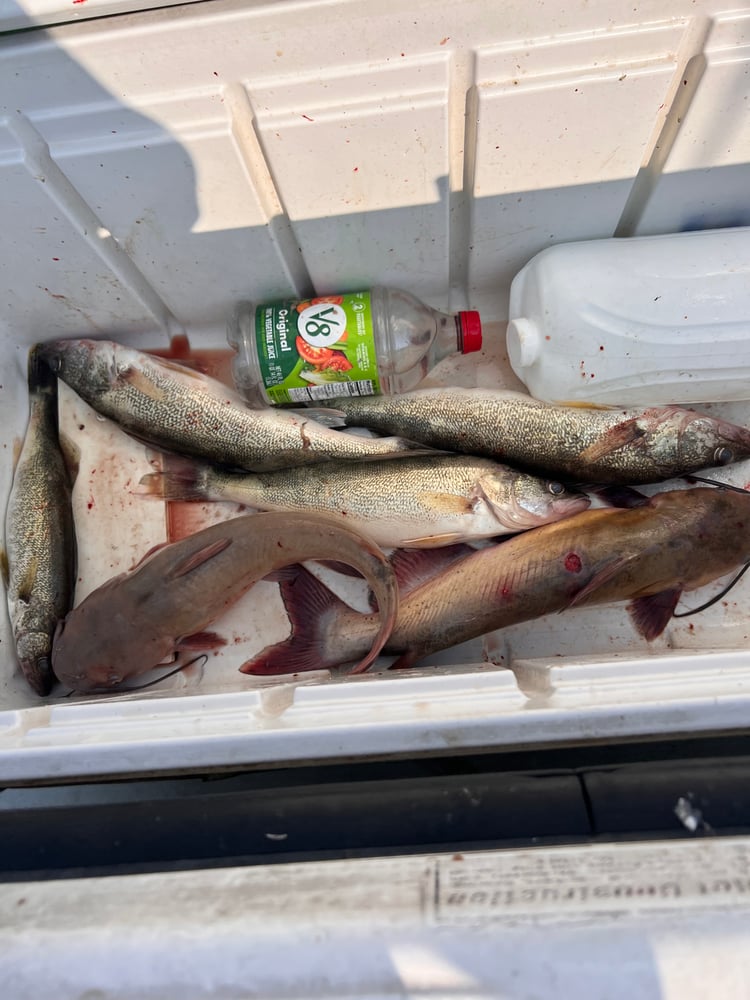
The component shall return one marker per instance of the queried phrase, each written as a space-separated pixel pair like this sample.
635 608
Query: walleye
39 534
676 541
135 621
586 444
412 503
177 409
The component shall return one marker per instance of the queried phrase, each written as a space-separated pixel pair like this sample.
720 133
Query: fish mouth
520 516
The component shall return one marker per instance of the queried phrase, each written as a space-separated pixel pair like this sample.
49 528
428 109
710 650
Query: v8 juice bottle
380 341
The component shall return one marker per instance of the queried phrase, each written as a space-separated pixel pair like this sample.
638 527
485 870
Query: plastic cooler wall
158 166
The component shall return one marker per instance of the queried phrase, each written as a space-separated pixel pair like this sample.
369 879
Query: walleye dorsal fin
181 368
651 614
447 503
196 559
628 432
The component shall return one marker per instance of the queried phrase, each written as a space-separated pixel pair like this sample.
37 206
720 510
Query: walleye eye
723 456
555 488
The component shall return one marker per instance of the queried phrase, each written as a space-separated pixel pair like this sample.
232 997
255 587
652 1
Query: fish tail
313 610
180 479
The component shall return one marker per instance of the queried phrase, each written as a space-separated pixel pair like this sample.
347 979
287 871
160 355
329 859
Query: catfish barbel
136 620
675 541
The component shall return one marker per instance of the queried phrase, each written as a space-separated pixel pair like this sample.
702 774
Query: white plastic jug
656 319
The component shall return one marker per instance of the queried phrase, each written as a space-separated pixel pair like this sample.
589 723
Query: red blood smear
573 562
216 363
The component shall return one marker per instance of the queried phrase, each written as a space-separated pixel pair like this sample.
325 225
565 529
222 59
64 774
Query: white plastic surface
654 921
158 167
650 320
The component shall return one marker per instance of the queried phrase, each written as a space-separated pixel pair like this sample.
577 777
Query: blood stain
573 562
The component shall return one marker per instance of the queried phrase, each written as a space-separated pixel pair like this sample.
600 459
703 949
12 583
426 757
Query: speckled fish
586 444
39 534
411 503
135 621
175 408
675 541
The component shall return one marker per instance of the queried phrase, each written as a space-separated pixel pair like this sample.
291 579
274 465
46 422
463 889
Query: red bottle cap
471 332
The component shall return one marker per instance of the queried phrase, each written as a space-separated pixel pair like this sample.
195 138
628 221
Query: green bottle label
317 349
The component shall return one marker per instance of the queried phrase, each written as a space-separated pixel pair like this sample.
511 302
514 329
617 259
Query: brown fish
586 444
675 541
140 618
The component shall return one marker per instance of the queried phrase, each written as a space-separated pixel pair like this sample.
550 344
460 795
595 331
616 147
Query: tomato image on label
323 358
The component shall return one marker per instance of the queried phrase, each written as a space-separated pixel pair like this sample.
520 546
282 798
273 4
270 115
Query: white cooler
158 165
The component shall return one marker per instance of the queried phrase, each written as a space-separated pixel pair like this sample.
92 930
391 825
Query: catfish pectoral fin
651 614
201 640
196 559
607 572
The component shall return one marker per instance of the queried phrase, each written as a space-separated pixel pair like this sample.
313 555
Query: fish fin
179 479
433 541
140 381
651 614
277 575
312 609
200 640
27 581
196 559
4 568
625 433
447 503
621 496
405 660
71 454
183 369
17 449
325 415
580 404
609 570
339 567
412 567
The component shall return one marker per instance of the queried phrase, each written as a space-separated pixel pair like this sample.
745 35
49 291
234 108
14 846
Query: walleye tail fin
180 479
312 610
651 614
